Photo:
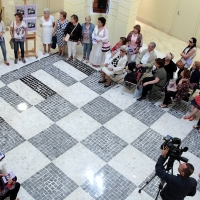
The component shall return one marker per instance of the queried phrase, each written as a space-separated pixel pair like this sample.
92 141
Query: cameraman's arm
160 171
194 189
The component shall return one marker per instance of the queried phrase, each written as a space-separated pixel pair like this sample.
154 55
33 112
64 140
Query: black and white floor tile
67 137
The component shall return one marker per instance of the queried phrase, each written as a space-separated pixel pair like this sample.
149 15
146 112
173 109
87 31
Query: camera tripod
162 182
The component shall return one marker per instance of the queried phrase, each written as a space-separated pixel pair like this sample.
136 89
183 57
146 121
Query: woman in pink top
134 40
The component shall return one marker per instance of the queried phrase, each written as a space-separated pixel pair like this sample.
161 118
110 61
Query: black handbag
54 42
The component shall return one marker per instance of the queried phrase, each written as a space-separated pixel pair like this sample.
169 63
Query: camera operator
10 189
177 187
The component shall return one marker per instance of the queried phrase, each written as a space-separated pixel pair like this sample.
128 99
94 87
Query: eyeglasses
190 41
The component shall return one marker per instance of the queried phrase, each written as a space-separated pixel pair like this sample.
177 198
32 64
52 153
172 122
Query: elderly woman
134 40
115 49
59 31
74 29
178 90
99 36
2 41
170 66
47 23
157 82
18 31
87 30
115 65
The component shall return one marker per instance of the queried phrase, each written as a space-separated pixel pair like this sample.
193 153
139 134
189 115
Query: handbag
130 50
11 43
180 64
54 42
138 91
106 45
68 35
172 86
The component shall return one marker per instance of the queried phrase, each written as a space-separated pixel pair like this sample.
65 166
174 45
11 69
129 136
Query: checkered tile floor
67 137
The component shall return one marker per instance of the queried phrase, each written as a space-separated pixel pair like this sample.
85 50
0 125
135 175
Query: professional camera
175 151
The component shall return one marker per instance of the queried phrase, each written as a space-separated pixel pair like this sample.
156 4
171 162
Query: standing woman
18 31
188 55
134 40
59 29
74 29
87 30
99 35
47 23
2 41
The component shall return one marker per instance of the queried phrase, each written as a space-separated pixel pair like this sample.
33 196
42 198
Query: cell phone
2 156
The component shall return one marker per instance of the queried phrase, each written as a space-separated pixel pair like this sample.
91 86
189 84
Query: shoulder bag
68 35
12 39
180 64
105 45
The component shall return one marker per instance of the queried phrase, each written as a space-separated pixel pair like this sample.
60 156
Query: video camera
175 151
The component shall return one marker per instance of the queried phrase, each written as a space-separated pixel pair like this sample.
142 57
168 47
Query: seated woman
115 65
181 89
170 66
157 82
115 49
195 75
195 107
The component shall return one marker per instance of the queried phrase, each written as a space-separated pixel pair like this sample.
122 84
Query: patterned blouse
182 90
138 42
115 61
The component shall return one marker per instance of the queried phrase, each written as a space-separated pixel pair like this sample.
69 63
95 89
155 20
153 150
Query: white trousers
71 48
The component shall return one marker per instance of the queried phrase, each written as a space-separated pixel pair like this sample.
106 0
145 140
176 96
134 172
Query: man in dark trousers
177 187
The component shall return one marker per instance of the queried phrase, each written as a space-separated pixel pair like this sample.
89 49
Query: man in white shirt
145 59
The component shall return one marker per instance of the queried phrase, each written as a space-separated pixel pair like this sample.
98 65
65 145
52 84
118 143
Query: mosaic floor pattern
67 137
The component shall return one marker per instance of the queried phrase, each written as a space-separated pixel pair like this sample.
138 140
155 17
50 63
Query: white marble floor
67 137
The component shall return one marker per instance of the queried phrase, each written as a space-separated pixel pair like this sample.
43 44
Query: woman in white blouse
99 35
47 24
115 65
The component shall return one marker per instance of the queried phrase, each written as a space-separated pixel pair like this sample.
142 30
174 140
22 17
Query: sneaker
87 61
82 59
23 60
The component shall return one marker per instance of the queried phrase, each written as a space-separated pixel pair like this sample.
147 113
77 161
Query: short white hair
124 48
46 10
88 16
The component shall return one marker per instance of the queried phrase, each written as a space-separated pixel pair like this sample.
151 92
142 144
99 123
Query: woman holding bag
2 41
73 35
99 36
187 55
134 40
59 28
18 31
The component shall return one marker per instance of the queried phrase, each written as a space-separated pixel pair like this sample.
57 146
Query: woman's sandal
163 106
196 127
7 63
185 117
192 118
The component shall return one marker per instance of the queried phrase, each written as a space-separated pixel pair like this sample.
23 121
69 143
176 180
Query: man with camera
177 187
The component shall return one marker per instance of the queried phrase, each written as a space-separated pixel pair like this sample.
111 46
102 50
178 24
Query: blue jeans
87 47
3 48
16 47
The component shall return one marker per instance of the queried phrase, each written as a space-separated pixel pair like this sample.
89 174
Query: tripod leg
147 183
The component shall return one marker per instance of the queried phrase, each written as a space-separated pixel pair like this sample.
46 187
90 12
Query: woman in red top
115 49
134 40
195 107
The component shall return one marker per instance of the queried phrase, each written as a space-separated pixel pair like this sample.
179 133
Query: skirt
96 55
193 102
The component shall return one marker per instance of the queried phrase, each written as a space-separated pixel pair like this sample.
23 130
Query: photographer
177 187
10 189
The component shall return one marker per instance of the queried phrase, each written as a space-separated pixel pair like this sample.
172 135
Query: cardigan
195 76
138 41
